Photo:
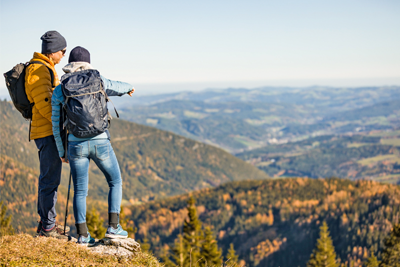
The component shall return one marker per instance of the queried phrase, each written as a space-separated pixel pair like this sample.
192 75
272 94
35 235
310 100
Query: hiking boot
85 241
55 232
59 227
116 233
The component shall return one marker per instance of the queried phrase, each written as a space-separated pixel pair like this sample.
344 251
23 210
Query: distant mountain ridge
293 95
241 119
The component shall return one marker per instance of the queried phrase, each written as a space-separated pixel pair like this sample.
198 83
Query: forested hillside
374 156
275 222
153 163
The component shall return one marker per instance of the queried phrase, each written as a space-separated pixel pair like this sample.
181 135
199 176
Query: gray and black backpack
15 81
85 104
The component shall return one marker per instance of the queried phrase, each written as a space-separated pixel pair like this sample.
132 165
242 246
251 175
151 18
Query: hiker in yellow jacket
40 82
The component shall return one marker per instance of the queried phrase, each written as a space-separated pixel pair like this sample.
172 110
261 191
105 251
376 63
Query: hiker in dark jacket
97 148
39 89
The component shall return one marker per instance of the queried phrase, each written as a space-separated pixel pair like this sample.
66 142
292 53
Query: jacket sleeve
57 101
116 88
39 87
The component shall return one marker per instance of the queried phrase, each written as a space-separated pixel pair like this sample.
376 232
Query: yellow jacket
39 90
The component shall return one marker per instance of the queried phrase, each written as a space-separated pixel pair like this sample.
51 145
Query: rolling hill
374 156
241 119
154 164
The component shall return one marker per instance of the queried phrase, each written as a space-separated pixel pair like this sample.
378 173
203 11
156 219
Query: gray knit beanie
52 41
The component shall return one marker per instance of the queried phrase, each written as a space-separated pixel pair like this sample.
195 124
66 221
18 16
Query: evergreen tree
372 261
126 224
209 249
180 253
391 253
5 222
165 259
145 245
324 255
95 224
232 258
192 234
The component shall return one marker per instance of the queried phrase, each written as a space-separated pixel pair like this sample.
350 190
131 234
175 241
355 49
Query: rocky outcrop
118 247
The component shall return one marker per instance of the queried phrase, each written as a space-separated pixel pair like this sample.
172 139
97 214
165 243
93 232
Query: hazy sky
162 46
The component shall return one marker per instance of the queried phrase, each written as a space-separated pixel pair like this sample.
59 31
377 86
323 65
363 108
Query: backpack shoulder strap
105 94
50 70
107 98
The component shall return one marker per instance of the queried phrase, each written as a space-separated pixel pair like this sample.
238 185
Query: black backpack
85 103
15 81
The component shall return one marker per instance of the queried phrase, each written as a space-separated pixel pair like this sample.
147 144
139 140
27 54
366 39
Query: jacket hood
76 66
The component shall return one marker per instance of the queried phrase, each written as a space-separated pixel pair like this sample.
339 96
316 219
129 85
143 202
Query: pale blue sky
162 46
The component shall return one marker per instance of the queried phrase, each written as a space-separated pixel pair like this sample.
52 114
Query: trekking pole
66 157
66 208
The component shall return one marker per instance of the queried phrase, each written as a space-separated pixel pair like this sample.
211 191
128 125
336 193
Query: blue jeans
49 180
101 152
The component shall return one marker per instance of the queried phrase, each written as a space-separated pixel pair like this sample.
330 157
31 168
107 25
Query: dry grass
24 250
391 142
374 160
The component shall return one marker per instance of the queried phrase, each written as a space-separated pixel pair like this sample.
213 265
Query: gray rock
118 247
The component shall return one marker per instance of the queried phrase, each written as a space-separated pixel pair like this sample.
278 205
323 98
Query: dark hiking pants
49 180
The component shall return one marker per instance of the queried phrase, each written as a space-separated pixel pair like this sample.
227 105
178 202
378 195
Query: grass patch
211 110
192 114
389 179
376 120
151 121
264 163
264 120
255 122
247 142
230 111
166 115
385 133
391 142
24 250
356 145
379 158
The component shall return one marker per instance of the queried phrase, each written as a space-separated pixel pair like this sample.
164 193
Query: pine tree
232 258
192 234
165 259
95 224
324 255
372 261
126 224
210 253
180 253
391 253
5 222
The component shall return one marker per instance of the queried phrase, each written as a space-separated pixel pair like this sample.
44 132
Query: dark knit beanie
79 54
52 41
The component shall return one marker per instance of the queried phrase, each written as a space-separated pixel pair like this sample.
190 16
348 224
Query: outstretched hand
64 160
131 92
